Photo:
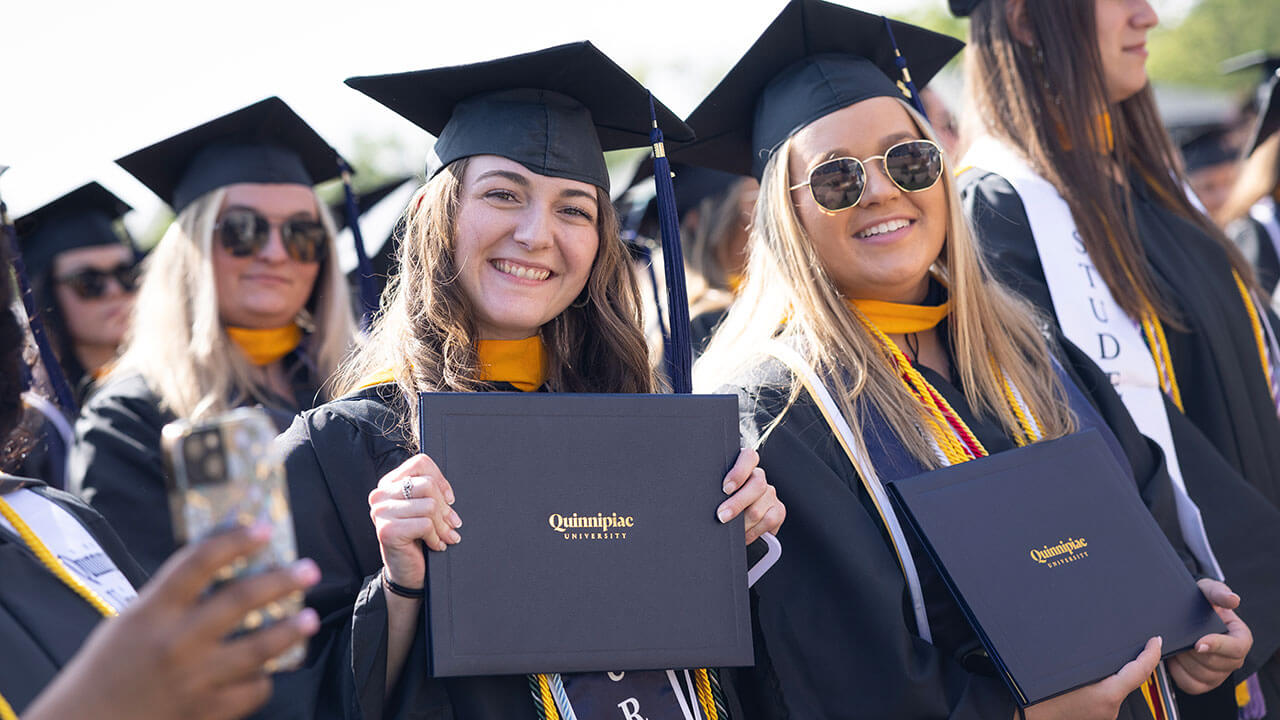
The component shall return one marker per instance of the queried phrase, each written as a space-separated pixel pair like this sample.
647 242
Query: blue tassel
679 359
901 62
65 398
364 269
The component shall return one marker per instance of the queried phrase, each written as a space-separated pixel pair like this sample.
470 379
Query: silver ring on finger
406 488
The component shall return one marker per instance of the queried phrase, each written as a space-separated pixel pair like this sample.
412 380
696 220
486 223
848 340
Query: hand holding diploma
1215 656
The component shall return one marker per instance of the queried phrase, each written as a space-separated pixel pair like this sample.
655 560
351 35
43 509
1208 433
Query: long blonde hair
425 331
176 340
786 295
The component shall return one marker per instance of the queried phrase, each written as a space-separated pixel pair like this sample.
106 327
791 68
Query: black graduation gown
1229 438
1253 237
117 465
335 455
703 325
834 629
42 621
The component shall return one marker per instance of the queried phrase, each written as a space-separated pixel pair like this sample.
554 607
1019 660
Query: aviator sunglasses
91 283
836 185
244 232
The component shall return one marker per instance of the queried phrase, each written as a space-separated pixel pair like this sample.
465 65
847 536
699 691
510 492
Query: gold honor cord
545 703
46 557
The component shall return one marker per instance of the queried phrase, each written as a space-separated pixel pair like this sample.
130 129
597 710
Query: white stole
1090 317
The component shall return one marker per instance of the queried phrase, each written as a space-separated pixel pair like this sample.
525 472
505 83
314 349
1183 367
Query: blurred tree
1190 52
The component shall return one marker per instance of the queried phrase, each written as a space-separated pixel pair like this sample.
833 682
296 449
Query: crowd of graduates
889 291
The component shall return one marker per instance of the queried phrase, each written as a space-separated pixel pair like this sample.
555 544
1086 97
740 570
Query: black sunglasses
244 232
914 165
91 283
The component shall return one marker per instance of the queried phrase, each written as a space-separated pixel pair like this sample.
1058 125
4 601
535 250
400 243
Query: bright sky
86 81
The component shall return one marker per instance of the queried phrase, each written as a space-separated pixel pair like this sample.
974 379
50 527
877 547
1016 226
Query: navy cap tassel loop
679 358
901 62
364 269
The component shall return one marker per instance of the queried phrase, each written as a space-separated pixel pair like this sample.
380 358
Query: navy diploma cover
1056 562
589 539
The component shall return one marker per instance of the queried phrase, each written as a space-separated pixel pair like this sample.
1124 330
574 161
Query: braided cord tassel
47 559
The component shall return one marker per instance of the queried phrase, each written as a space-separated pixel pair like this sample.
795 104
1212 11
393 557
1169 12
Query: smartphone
224 472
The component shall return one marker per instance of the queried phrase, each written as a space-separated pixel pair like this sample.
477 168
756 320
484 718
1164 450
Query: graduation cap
381 211
1268 122
1260 60
963 8
265 142
1207 146
554 111
813 59
691 184
84 217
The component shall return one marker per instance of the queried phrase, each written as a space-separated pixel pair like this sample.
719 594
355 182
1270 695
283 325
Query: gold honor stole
265 346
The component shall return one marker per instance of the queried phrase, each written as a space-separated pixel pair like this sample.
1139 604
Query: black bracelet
402 591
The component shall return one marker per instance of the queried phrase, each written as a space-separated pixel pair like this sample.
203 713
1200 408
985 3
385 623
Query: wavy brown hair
1037 97
425 331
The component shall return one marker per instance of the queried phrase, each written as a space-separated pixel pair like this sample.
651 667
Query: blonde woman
244 304
868 344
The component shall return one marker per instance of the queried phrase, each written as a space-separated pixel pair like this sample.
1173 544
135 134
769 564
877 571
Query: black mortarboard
1263 61
265 142
813 59
1268 122
692 185
1208 146
963 8
366 200
554 111
83 217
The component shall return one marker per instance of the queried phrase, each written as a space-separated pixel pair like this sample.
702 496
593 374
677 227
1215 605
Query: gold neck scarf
901 318
522 363
264 346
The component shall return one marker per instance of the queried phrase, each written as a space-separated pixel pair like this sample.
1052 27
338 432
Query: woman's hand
1216 656
1101 700
749 491
168 655
411 504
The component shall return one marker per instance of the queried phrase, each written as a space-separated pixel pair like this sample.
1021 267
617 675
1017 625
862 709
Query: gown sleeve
332 465
834 628
117 467
1000 226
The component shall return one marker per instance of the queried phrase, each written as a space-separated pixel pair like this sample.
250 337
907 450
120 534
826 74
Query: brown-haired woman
512 277
1077 195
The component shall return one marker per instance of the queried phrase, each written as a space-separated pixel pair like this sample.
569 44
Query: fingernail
724 515
308 621
454 536
728 487
1202 647
448 495
454 520
260 531
305 571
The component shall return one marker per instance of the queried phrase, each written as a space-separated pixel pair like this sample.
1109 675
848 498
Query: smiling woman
512 277
243 304
869 344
